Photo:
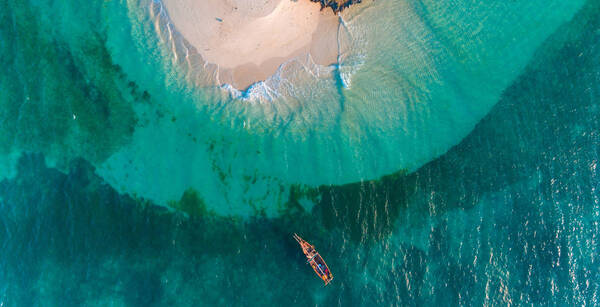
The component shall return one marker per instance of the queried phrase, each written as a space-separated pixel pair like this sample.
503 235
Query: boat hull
315 260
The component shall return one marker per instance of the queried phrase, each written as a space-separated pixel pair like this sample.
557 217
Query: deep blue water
510 215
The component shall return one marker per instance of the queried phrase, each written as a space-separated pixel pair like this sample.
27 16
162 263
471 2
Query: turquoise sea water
457 166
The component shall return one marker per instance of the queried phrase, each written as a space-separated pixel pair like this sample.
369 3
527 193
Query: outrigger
315 260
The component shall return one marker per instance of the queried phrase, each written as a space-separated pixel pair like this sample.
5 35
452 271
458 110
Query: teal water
124 185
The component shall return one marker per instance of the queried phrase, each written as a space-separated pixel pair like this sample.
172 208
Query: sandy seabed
249 39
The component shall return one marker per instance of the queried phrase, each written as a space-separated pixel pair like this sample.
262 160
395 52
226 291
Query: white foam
409 99
281 84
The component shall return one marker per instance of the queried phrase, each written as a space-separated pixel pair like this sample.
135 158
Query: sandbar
249 39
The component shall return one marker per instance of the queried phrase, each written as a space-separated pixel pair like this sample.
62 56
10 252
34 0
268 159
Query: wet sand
250 39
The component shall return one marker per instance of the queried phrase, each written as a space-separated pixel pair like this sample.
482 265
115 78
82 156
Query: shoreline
248 40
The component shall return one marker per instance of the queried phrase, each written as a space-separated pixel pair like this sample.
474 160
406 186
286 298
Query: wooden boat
315 260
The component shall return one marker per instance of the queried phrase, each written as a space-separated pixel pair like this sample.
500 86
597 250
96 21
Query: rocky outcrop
336 5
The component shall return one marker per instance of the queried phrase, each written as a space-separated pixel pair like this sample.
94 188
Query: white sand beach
250 39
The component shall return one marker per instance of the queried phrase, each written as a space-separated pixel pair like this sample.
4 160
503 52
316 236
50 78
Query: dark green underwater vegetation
47 84
509 215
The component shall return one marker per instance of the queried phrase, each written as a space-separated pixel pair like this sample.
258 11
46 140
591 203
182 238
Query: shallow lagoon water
509 214
418 90
406 90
